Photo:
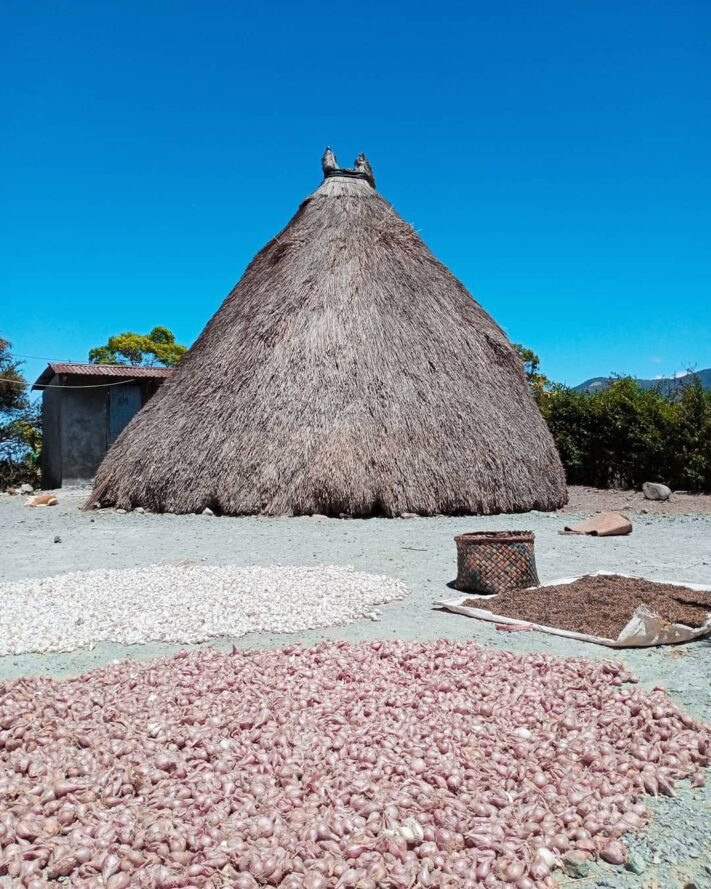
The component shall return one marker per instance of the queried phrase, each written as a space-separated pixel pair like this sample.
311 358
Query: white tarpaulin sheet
645 627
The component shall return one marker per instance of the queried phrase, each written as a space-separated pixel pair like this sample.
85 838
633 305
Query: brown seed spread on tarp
599 605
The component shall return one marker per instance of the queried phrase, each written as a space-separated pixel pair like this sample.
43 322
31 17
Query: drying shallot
391 763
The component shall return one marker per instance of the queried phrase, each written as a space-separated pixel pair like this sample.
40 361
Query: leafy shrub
624 435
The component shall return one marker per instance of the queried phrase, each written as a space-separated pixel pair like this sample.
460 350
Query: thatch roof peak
360 170
347 372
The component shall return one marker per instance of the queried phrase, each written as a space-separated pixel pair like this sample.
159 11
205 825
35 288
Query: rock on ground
656 491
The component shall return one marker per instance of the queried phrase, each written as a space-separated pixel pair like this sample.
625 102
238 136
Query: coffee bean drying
390 763
600 604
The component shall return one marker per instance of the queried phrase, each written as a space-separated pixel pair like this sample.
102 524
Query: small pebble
635 863
57 538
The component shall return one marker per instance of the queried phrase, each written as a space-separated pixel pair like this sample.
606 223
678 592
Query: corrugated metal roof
117 371
110 370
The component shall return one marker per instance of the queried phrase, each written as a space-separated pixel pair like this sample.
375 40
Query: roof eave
44 379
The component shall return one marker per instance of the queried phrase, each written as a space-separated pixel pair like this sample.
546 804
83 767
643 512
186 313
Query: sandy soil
670 542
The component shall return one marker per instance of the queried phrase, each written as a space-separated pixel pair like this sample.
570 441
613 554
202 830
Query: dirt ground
594 500
670 541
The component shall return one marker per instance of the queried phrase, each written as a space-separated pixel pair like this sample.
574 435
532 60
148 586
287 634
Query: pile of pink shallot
388 764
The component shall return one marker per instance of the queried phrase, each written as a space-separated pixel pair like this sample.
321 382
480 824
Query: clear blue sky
555 155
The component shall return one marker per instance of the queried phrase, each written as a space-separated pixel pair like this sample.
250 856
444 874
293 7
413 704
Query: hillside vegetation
667 385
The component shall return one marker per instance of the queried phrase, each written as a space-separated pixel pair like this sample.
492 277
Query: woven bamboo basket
495 561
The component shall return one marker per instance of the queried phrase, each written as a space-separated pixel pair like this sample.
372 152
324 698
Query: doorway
124 403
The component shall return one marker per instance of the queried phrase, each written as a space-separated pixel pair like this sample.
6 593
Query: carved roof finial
328 161
363 167
361 170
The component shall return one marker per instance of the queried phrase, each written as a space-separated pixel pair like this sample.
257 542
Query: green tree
13 386
538 383
157 347
20 427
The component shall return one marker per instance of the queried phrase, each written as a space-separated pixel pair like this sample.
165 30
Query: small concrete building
84 409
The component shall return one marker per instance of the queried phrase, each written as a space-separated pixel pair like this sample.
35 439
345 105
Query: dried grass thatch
348 372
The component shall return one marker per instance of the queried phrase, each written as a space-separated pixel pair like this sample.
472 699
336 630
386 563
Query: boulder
26 489
656 491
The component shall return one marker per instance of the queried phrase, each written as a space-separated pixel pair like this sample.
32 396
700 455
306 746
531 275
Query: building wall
83 440
75 428
51 436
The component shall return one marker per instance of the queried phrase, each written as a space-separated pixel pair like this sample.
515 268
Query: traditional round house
348 372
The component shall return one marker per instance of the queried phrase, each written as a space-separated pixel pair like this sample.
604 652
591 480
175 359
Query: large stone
26 489
656 491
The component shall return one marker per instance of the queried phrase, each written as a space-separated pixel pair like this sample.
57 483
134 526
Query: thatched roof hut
347 372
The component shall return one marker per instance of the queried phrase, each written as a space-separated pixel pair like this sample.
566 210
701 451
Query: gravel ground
676 849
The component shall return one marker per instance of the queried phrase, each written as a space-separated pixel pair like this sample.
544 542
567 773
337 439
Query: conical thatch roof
348 372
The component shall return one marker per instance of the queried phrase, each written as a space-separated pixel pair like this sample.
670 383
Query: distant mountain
666 384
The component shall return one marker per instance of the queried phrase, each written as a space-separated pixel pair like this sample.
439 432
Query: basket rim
495 537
